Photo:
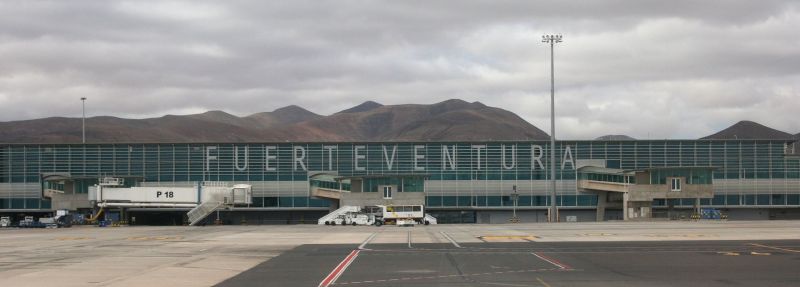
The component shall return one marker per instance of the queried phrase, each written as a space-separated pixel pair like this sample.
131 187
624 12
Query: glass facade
692 175
463 174
606 177
404 184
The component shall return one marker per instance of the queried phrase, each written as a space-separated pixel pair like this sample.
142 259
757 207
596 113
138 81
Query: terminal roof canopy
603 170
424 176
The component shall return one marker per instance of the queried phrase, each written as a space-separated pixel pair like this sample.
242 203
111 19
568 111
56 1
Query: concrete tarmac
205 256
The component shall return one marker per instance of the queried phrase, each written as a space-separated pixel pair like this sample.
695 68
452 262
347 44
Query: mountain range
451 120
614 138
751 130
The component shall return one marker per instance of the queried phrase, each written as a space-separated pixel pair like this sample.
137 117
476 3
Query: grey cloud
664 68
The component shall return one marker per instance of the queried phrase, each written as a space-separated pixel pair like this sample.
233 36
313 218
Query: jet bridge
203 199
636 189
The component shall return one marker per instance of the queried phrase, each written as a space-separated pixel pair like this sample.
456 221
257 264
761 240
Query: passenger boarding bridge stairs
202 210
219 195
339 212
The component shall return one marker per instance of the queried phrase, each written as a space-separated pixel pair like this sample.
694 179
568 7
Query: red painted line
331 278
552 261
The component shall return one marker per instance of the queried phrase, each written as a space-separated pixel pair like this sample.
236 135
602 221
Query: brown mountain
192 128
444 121
450 120
283 116
363 107
749 130
614 138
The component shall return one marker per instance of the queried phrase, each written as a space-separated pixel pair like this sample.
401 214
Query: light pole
552 215
83 120
515 197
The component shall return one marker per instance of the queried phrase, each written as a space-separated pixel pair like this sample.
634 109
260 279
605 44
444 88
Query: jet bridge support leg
602 199
625 210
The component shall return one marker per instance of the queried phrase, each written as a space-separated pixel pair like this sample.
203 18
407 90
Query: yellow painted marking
543 283
682 235
728 253
491 238
776 248
156 238
596 234
759 253
72 238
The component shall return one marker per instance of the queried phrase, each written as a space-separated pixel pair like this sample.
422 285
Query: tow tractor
400 215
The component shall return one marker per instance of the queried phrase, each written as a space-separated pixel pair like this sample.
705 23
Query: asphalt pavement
651 263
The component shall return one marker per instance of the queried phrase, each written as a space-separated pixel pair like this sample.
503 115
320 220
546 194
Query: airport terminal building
457 182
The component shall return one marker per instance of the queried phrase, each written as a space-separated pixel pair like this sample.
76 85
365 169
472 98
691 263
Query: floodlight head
83 98
551 38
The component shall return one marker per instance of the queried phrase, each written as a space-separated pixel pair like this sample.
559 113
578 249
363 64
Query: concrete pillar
602 200
697 205
625 215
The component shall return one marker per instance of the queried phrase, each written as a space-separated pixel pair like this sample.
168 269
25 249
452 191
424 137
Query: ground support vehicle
401 215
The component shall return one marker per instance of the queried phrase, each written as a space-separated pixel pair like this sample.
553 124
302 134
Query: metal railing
202 211
205 208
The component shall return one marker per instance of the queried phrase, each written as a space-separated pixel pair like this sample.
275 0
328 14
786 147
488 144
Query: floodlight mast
83 119
552 216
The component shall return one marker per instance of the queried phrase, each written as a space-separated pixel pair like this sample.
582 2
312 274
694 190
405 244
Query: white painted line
542 281
450 239
552 261
336 272
361 247
775 248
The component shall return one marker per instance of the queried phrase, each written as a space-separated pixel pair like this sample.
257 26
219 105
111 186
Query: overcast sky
648 69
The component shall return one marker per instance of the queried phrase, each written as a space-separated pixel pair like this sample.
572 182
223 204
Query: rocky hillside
749 130
451 120
614 138
448 120
363 107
